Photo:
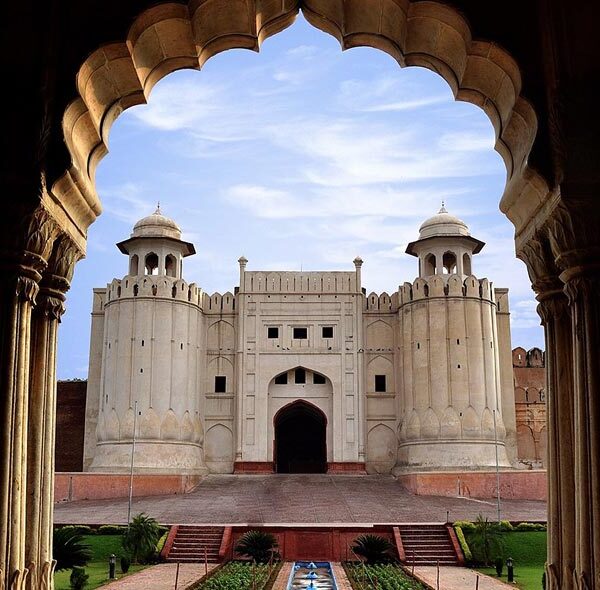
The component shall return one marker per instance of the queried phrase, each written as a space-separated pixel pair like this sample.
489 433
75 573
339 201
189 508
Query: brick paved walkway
343 583
161 577
289 499
459 578
283 576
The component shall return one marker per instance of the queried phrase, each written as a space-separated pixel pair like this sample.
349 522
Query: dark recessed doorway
300 445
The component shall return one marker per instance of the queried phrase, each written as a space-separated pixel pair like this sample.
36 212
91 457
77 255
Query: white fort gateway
300 371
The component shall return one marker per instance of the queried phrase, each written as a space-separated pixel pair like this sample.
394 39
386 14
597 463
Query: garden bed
241 575
382 577
102 547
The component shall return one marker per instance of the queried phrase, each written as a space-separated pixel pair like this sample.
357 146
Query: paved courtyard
289 499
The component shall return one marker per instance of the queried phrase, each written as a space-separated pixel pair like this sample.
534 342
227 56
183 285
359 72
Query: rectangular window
300 376
318 379
300 333
327 331
380 383
281 379
272 332
220 384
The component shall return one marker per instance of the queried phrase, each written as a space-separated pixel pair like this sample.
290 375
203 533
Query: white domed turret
445 246
155 247
149 361
452 414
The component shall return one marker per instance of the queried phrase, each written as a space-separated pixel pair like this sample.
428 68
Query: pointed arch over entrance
300 439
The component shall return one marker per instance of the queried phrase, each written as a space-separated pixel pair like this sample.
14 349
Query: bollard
438 575
510 571
112 562
177 576
477 582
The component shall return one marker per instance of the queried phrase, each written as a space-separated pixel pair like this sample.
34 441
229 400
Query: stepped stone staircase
428 544
195 543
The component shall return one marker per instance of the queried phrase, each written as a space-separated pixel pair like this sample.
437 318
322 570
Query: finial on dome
158 211
443 208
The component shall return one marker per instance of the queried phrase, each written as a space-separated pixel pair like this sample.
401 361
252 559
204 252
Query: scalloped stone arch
172 36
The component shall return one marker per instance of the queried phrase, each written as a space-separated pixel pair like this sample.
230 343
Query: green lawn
528 551
102 547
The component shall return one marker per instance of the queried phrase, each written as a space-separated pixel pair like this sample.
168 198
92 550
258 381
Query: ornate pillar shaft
17 300
583 291
41 436
553 310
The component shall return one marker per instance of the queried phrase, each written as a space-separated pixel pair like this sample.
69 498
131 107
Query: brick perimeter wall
514 485
70 425
69 487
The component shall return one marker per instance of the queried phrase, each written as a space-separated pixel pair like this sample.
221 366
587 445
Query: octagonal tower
450 410
149 355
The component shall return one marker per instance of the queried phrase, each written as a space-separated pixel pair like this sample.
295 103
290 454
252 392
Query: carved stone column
42 414
21 263
575 243
554 311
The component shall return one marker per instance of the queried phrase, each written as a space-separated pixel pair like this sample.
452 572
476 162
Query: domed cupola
155 247
445 246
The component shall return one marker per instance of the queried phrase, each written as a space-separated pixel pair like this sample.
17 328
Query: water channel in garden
309 575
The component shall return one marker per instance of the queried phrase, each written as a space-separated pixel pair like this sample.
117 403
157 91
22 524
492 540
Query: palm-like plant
485 540
141 537
374 548
69 549
258 545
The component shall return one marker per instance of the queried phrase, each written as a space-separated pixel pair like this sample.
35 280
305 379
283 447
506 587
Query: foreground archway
49 177
300 439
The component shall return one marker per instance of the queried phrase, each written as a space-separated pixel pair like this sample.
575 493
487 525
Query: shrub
499 564
161 542
140 539
69 549
258 545
374 548
463 544
78 578
125 563
111 529
466 525
505 525
485 540
530 526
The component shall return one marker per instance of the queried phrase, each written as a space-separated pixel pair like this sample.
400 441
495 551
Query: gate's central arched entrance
300 439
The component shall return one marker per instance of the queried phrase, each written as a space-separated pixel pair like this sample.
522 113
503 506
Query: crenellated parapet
162 287
437 286
383 303
300 282
217 303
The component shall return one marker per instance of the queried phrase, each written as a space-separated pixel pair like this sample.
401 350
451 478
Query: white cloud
405 105
467 141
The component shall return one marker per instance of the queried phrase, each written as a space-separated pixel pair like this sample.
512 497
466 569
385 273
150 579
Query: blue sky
299 157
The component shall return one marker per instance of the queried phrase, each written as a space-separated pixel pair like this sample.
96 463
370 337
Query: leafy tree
69 549
374 548
485 540
141 537
260 546
78 579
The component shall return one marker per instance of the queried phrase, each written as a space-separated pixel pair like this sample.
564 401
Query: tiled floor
270 499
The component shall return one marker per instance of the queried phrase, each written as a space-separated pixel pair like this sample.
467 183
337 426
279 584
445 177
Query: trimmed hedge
465 525
530 526
505 525
82 529
463 544
111 529
161 542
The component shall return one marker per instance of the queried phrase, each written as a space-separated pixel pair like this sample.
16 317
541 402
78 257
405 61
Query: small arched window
151 264
429 265
449 263
171 265
467 264
134 263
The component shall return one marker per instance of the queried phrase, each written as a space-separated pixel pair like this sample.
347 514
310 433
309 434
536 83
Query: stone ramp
290 499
